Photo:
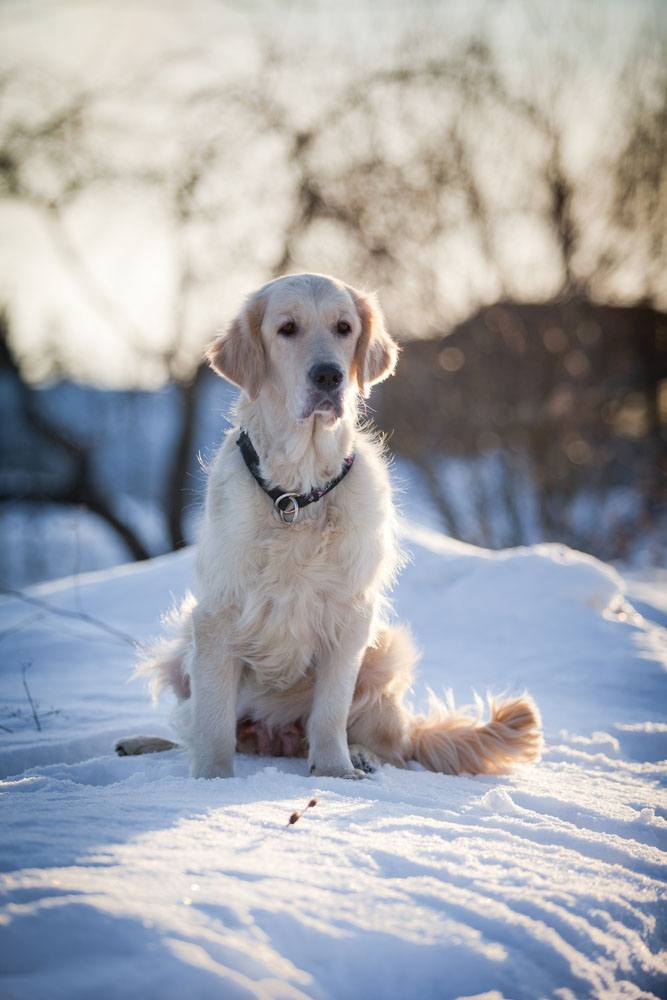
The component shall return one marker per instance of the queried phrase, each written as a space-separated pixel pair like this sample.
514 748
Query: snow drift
123 877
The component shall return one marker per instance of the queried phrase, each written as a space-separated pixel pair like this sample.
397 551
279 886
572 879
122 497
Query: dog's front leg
335 680
215 680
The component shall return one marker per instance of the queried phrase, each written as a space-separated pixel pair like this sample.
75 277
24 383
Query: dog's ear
376 353
238 355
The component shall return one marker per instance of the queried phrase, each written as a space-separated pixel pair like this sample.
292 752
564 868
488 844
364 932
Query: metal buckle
288 514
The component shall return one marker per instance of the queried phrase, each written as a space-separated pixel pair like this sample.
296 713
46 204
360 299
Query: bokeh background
496 171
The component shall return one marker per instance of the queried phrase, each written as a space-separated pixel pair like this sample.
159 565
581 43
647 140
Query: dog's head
313 340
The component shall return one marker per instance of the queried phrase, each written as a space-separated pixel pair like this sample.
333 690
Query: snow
125 878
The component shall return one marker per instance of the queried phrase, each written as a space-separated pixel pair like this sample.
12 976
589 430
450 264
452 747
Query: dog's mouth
328 405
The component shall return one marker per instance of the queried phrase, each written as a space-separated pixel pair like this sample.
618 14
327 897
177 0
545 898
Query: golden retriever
285 646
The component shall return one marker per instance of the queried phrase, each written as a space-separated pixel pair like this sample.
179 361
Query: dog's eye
288 329
343 327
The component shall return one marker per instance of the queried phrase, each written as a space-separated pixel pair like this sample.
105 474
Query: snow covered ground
124 878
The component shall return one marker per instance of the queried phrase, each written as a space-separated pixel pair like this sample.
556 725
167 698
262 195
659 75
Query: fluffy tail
165 662
448 741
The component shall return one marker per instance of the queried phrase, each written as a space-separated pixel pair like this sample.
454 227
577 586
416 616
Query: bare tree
388 180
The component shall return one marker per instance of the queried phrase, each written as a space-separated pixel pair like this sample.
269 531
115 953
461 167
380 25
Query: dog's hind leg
378 728
134 745
364 759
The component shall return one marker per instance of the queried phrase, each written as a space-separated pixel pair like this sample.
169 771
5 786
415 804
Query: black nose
326 377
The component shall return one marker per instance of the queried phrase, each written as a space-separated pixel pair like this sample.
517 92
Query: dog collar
287 504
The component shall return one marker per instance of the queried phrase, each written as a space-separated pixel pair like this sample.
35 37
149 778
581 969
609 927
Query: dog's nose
326 376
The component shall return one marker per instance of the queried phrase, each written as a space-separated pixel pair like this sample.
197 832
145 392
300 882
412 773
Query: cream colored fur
288 622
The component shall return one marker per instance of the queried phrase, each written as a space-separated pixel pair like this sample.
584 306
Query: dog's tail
165 662
445 739
452 742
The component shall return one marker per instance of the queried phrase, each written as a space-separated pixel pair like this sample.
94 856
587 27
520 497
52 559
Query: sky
100 289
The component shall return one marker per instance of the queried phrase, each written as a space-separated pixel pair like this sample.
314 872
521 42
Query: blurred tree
71 479
439 161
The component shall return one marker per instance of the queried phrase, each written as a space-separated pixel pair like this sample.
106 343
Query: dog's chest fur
288 593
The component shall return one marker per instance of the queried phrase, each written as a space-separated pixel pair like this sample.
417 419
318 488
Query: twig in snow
20 715
21 625
64 613
294 818
38 724
297 815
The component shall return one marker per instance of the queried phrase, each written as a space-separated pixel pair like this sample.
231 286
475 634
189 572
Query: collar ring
287 507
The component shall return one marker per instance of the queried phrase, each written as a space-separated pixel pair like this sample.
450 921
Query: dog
285 647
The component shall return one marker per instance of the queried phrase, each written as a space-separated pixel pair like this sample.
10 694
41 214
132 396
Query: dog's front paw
207 769
352 773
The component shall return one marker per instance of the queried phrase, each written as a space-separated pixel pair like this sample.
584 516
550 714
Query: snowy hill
124 878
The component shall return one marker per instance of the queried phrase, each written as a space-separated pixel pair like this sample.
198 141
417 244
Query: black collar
286 503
